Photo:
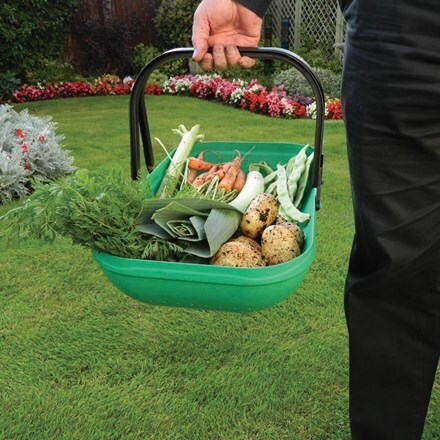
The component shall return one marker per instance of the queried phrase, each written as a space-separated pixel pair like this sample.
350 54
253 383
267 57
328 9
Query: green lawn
79 360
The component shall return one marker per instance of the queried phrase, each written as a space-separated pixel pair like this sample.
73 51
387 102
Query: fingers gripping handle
138 115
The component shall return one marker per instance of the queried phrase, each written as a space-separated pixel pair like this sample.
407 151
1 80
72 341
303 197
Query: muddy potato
238 254
261 213
279 244
293 227
248 240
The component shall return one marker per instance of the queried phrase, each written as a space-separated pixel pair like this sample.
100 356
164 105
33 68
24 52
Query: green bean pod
303 182
285 201
297 170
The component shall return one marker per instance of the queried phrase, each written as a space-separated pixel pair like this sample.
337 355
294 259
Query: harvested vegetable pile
204 211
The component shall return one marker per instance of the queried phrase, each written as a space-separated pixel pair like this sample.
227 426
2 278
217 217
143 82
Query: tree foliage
174 20
106 44
31 30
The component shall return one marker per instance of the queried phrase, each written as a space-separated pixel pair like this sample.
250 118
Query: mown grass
79 360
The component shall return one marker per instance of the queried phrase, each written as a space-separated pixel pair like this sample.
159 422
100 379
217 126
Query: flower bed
238 93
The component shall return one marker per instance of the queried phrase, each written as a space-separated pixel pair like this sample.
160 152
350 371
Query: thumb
200 49
200 34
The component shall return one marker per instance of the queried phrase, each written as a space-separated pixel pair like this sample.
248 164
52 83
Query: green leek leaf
205 224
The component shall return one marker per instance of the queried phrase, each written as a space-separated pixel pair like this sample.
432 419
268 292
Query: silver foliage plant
29 149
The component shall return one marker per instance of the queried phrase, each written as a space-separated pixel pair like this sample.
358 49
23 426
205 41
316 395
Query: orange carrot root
222 170
194 163
200 180
190 177
204 177
192 173
231 175
239 181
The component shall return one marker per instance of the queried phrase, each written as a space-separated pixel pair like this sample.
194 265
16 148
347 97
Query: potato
261 213
248 240
279 244
294 228
238 254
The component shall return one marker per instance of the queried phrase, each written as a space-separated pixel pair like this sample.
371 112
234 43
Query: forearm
257 6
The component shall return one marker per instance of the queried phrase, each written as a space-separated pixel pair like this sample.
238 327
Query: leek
254 185
172 176
221 224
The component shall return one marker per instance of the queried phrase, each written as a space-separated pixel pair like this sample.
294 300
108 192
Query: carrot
196 163
239 181
212 172
192 173
223 170
228 180
202 178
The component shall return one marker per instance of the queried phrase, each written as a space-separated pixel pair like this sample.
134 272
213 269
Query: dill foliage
94 209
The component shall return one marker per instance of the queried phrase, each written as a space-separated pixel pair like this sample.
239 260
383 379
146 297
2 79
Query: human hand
224 25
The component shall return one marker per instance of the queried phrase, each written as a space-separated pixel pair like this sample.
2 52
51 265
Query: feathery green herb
96 210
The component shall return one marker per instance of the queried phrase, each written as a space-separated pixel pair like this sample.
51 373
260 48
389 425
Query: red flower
120 89
334 109
153 89
24 148
299 110
41 138
19 133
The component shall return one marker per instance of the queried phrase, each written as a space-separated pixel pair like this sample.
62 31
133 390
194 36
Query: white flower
237 95
311 110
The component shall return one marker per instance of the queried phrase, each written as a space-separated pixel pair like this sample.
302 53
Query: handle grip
138 114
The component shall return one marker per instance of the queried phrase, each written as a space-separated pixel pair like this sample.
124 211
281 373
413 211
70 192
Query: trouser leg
393 282
391 102
394 348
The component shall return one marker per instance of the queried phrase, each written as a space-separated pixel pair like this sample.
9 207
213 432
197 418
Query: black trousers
391 103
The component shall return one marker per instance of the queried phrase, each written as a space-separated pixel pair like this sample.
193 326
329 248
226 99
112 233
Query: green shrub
173 22
142 55
295 83
316 58
8 84
51 71
30 31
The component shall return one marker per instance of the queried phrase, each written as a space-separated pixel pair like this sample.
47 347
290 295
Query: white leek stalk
254 185
183 151
221 224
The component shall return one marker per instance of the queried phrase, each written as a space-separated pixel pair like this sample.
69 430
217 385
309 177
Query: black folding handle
138 114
